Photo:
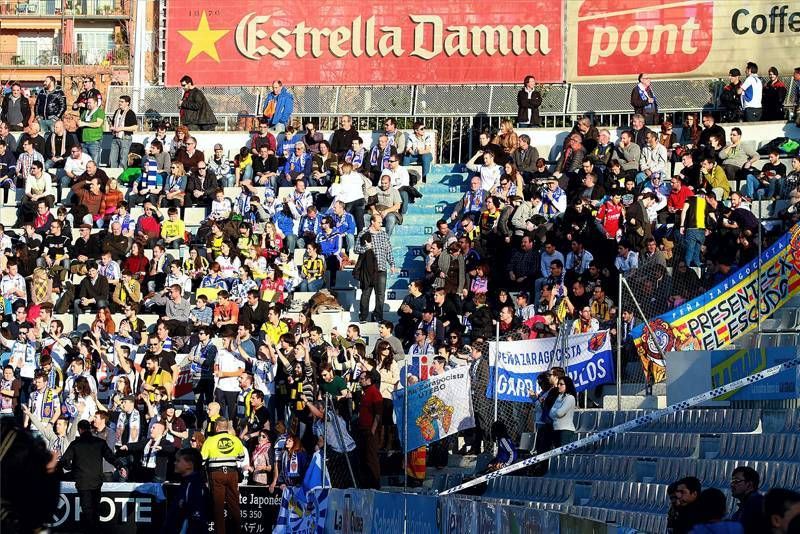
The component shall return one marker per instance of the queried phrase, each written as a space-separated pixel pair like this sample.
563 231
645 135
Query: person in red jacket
675 201
370 413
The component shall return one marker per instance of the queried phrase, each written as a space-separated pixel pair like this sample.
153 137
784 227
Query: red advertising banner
252 42
609 39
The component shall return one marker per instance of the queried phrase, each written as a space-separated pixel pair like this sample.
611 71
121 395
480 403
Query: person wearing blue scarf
643 100
298 166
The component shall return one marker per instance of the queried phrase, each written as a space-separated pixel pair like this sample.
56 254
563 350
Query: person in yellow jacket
713 178
173 230
222 453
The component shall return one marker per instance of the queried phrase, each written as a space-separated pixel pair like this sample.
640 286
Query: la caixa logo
630 36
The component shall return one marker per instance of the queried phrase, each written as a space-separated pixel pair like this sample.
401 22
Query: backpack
790 147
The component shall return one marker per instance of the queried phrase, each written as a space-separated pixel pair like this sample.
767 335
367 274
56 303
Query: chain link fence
458 113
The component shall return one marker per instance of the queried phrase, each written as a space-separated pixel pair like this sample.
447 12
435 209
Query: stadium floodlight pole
619 344
645 321
496 366
629 425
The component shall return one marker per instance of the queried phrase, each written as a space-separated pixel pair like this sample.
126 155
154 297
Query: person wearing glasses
201 186
195 112
401 181
749 501
419 149
643 100
190 157
88 90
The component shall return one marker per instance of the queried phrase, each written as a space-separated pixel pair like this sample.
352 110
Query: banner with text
437 408
124 508
667 38
730 365
587 358
723 313
251 42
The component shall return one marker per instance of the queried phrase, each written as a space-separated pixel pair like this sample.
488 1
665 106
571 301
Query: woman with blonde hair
174 189
507 138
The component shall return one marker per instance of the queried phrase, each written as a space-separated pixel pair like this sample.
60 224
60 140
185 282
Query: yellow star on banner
203 40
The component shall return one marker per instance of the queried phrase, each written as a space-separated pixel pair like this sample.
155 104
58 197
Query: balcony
44 60
119 56
68 8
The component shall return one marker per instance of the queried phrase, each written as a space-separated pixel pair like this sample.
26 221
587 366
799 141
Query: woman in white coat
563 412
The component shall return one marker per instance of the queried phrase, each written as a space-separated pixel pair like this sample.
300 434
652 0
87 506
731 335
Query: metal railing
24 59
69 8
457 113
117 56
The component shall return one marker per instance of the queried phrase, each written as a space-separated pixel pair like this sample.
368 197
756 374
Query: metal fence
456 112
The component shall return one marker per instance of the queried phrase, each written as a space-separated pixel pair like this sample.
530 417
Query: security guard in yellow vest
222 453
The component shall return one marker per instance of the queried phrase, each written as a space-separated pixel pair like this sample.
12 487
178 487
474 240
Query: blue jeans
693 240
426 160
247 174
94 149
312 286
756 190
119 152
46 126
404 199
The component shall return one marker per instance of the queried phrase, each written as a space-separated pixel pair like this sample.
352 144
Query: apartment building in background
68 39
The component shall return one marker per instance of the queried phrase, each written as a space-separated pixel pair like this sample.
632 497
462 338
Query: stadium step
635 402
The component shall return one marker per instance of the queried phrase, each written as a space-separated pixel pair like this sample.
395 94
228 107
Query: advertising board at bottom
129 508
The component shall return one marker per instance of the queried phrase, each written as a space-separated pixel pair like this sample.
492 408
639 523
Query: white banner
587 359
437 408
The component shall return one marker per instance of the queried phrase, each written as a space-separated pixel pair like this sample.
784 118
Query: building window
36 49
94 46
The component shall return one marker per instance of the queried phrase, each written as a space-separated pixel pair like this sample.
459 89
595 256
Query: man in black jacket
50 104
195 112
15 110
253 312
190 508
343 138
156 454
84 457
93 291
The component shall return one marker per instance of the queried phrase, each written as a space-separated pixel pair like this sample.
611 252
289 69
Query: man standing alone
84 457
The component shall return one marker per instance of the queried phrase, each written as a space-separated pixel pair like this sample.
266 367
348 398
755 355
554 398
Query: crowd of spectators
694 510
531 246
